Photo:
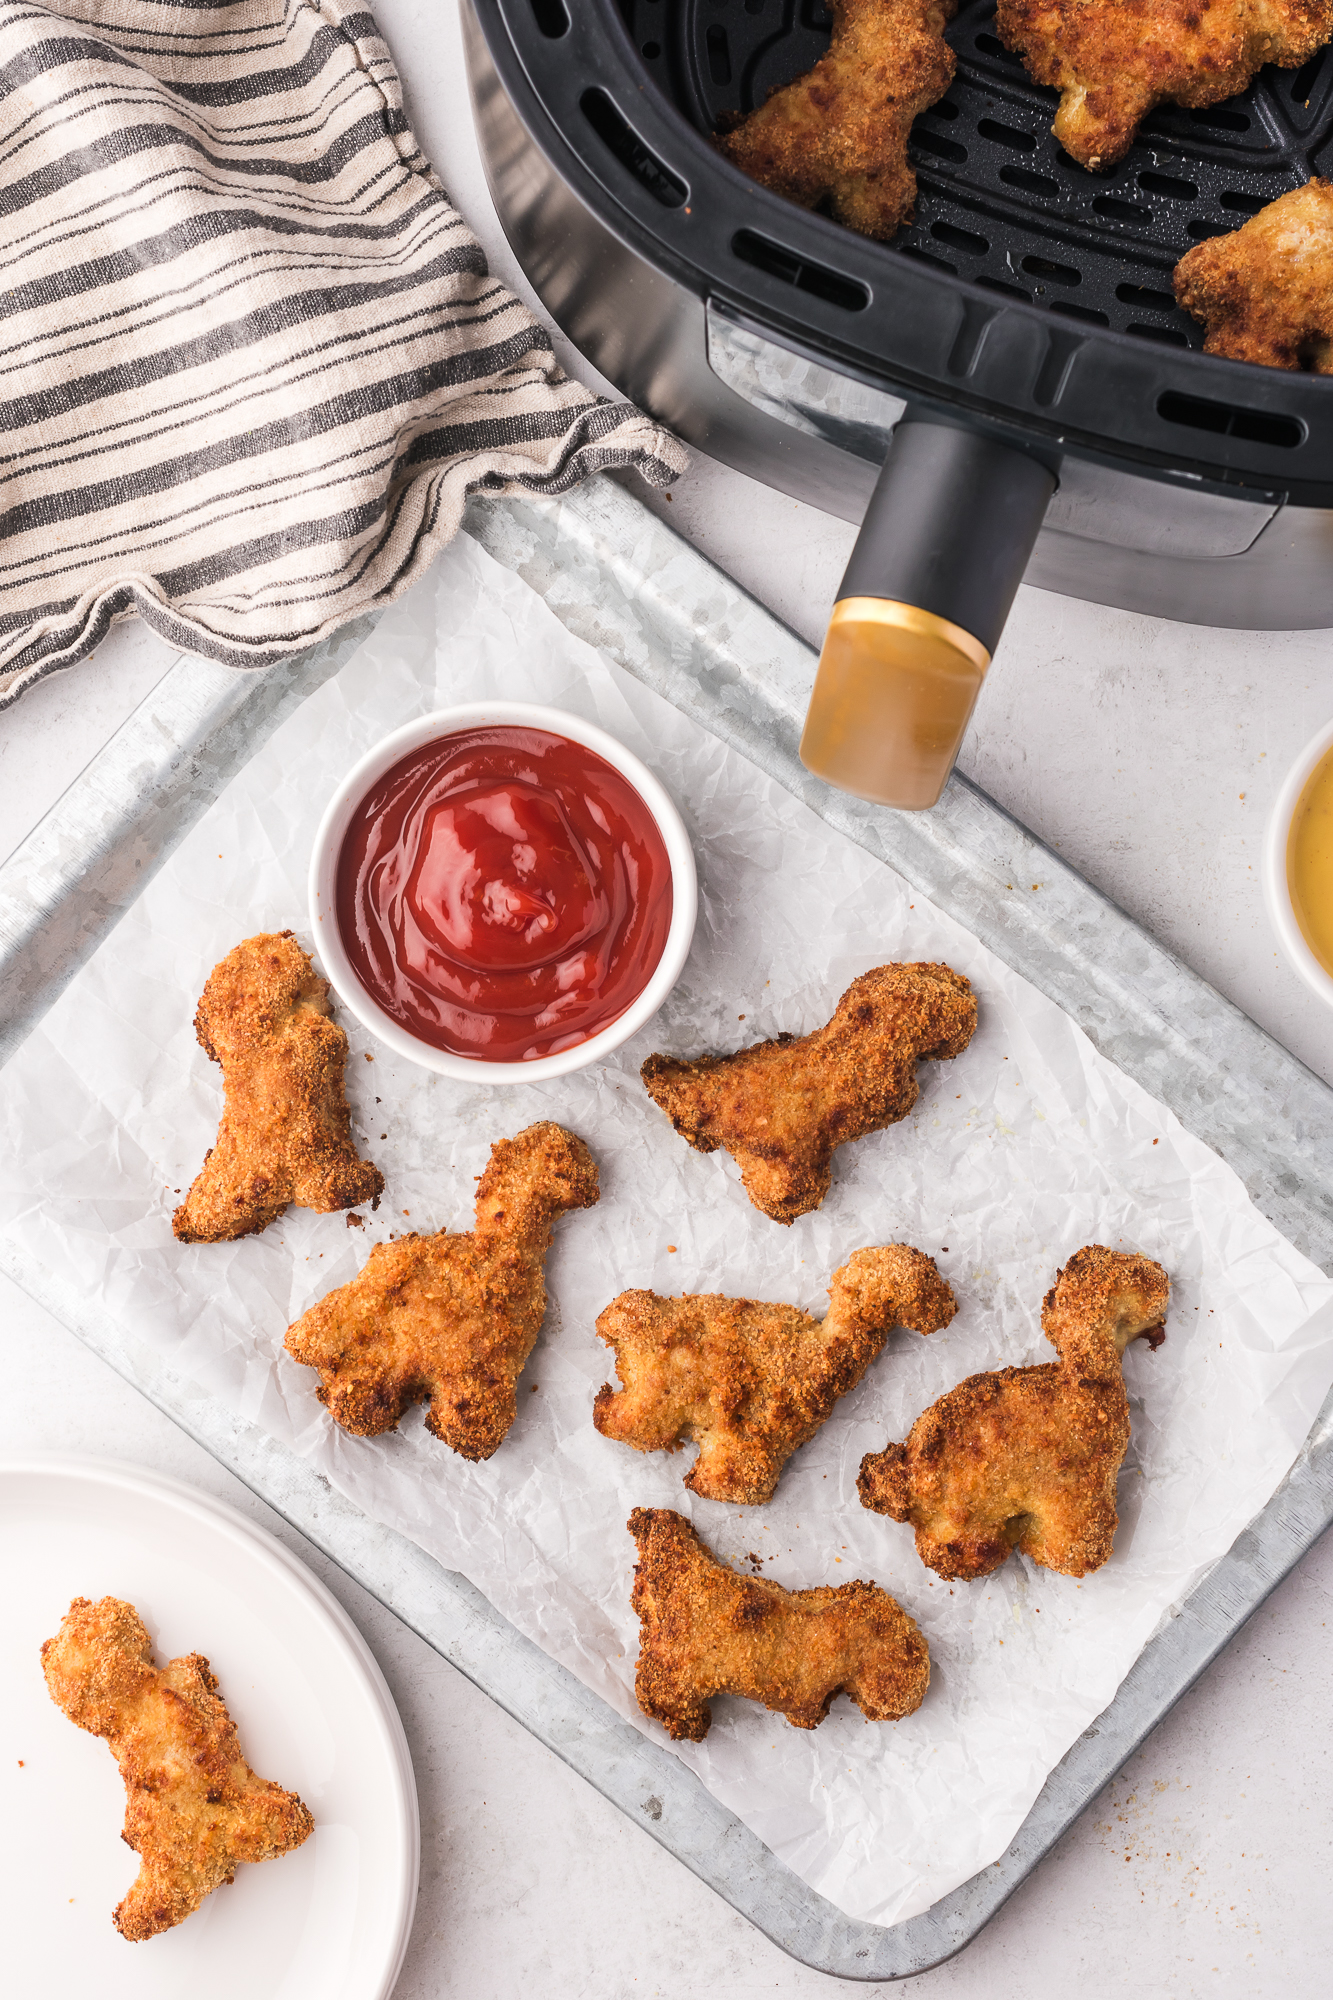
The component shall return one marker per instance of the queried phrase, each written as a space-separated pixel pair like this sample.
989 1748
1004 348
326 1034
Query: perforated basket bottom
999 203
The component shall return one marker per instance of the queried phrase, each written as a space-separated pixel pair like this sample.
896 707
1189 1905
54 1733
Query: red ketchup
503 893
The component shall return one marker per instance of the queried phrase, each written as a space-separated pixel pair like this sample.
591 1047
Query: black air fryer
1006 389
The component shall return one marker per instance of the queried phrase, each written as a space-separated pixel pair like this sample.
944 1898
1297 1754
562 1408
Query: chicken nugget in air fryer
840 131
1265 292
1113 61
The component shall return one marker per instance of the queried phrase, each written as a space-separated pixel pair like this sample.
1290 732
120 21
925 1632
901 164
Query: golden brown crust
1265 293
750 1383
840 131
450 1320
285 1134
1114 60
193 1806
1026 1458
782 1108
704 1630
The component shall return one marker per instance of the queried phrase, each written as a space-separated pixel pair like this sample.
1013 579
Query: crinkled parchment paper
1027 1146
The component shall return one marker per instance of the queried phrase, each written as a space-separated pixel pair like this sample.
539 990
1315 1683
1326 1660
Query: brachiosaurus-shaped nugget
704 1630
193 1807
782 1107
1026 1458
450 1320
751 1383
286 1131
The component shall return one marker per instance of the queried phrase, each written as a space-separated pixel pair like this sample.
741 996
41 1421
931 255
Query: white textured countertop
1148 754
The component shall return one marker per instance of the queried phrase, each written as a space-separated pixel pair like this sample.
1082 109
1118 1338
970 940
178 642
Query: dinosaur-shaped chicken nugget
193 1807
285 1134
450 1320
704 1630
782 1107
840 132
750 1383
1113 60
1026 1458
1265 292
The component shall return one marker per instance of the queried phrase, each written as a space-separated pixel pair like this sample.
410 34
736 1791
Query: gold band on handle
911 618
895 690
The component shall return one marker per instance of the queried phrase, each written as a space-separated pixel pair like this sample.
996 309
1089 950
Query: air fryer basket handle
941 552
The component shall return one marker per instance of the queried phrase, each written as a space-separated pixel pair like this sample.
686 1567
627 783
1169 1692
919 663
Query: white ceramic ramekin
429 729
1277 891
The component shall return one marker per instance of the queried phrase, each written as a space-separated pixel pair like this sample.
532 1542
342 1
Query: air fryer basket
1026 317
999 202
1029 296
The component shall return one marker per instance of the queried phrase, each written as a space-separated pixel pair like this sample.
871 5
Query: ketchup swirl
503 893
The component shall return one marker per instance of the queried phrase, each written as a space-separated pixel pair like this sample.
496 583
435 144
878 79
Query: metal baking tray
621 579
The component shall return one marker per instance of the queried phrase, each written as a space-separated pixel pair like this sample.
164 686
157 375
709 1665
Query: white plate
330 1920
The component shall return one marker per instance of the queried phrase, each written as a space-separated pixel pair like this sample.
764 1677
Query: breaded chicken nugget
1114 60
450 1320
781 1108
704 1630
841 130
286 1131
193 1806
751 1383
1026 1458
1265 293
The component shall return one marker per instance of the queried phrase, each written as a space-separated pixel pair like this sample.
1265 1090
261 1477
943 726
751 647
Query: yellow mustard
1310 862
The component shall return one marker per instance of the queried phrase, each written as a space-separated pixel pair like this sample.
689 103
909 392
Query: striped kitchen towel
253 360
